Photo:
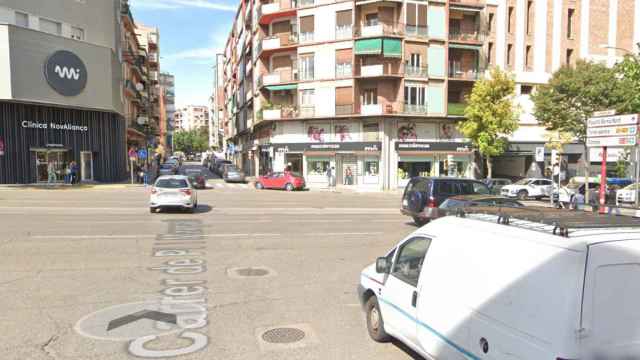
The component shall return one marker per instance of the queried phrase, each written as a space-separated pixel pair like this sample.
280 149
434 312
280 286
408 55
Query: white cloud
180 4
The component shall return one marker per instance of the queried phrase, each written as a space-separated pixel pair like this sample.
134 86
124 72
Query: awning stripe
368 47
392 48
282 87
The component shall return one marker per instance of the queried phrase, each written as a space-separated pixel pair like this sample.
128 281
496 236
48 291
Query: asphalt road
91 274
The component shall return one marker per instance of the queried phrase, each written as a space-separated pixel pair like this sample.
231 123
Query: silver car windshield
172 184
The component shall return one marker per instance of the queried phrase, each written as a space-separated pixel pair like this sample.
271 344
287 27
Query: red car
280 180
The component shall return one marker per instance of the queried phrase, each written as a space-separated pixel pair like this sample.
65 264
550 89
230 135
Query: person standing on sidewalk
51 173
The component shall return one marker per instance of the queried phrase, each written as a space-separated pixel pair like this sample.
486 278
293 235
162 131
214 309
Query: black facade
33 135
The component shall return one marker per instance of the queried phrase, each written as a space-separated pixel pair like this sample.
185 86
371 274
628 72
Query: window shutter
344 95
411 14
306 24
343 18
344 56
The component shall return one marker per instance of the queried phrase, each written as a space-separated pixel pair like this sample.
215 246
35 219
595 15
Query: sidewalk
88 186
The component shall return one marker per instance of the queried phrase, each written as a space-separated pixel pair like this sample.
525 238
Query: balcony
413 109
153 58
456 108
278 77
307 111
471 3
306 3
416 71
278 41
380 29
346 109
127 17
280 112
267 12
306 37
344 32
344 70
459 72
378 70
414 31
371 109
467 36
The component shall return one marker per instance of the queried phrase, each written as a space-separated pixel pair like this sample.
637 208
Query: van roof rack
556 220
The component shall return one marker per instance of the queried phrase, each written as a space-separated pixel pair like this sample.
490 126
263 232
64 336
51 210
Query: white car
528 188
173 191
569 192
627 195
479 287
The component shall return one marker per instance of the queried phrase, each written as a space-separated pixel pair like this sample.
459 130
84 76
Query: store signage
342 146
66 73
433 146
540 153
54 126
55 145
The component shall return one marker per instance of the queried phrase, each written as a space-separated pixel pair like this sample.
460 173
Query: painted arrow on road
144 314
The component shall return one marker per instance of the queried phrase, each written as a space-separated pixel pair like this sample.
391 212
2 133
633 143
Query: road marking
111 236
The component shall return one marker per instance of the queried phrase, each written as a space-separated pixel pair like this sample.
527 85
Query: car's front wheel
375 324
152 210
289 187
523 194
419 221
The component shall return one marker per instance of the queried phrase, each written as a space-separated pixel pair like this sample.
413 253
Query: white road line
219 186
93 236
167 237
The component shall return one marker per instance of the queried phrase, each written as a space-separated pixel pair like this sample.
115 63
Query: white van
472 287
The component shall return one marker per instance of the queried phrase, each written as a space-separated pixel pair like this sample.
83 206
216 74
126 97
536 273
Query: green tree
628 73
573 94
191 141
491 116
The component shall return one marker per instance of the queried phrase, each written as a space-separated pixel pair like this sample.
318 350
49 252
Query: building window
490 24
369 97
510 20
77 33
528 58
509 54
343 24
570 19
307 108
529 16
51 27
307 28
22 19
490 53
415 98
526 89
371 19
305 70
569 57
343 63
318 167
371 132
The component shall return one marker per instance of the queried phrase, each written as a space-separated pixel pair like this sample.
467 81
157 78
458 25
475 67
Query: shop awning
465 47
392 48
282 87
368 47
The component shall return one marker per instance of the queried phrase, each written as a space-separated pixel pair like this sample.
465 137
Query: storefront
356 164
518 160
41 143
450 159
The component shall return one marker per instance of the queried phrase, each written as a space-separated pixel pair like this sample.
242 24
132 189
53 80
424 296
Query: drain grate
248 272
286 335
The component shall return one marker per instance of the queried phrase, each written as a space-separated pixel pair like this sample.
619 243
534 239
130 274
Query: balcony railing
415 71
416 31
457 71
467 36
278 77
456 108
278 41
386 69
306 37
153 58
344 109
371 30
276 6
304 3
474 3
307 111
414 109
344 32
371 109
280 112
344 70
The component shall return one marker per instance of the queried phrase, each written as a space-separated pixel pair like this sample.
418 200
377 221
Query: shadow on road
201 209
412 354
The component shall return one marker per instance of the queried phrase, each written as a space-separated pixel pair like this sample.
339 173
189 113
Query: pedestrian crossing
228 186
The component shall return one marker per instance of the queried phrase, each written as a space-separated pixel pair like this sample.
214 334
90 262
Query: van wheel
419 221
375 324
522 194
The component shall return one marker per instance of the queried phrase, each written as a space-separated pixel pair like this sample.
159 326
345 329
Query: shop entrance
86 165
411 167
51 165
347 168
296 163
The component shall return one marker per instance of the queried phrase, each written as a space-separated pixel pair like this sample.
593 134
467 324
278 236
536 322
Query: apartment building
191 117
375 88
216 106
168 86
149 40
61 95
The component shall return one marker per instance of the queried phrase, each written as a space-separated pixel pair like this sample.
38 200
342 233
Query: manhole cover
252 272
283 335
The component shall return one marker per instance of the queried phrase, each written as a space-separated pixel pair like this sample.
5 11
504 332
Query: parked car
627 195
567 194
174 191
168 168
230 173
422 195
280 180
528 188
449 206
471 288
216 166
496 184
196 178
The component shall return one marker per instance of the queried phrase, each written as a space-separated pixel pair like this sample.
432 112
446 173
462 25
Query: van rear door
610 325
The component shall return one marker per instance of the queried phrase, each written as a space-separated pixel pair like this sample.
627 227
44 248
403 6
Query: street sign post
610 130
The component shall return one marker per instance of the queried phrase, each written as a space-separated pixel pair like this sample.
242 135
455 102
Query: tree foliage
191 141
491 116
574 93
628 73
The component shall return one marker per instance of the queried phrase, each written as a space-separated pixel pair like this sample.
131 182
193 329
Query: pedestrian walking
67 174
331 178
145 175
348 176
75 169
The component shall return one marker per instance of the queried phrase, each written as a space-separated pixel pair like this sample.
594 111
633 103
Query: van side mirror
382 265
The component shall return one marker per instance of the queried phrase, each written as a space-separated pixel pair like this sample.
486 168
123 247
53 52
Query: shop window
411 169
51 27
318 167
371 168
77 33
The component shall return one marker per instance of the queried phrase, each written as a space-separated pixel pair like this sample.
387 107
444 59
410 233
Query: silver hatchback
173 191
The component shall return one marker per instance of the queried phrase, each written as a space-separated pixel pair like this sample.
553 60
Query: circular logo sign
65 73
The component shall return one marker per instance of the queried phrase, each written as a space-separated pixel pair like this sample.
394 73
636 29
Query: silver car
230 173
173 191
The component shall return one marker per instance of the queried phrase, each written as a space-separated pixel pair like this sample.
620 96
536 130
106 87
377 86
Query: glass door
86 160
41 166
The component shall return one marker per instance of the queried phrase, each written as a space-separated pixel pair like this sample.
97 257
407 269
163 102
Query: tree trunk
489 167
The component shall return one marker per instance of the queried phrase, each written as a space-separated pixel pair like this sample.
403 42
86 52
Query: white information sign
616 120
540 154
612 131
612 141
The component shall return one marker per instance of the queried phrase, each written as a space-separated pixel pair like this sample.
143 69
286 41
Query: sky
191 33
